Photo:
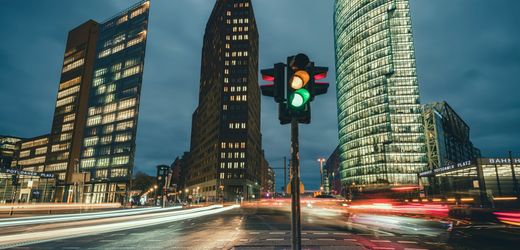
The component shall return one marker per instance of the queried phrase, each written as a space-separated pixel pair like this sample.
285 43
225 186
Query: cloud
467 53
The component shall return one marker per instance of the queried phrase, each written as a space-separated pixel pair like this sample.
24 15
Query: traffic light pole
295 187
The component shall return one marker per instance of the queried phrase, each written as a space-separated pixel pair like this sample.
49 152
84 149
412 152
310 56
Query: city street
255 226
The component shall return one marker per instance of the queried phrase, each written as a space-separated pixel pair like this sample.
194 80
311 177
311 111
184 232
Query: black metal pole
295 187
284 176
498 181
515 182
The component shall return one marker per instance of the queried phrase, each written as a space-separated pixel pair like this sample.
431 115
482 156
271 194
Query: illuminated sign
21 172
499 161
446 168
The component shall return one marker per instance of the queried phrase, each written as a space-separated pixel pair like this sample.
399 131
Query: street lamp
321 161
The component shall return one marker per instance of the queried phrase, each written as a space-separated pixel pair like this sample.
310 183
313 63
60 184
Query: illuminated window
137 12
127 103
106 139
131 71
65 101
88 152
123 137
125 114
25 153
73 65
67 127
70 83
93 121
124 125
69 118
40 151
91 141
122 20
88 163
65 136
118 48
103 162
104 53
118 172
120 160
110 108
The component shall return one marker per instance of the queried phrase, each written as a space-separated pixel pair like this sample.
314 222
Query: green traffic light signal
299 98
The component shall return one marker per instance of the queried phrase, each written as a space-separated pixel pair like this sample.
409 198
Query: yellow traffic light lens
300 79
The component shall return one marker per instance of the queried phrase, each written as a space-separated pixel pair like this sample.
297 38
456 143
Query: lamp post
321 161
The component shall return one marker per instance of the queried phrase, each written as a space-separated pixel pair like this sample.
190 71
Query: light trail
76 217
9 241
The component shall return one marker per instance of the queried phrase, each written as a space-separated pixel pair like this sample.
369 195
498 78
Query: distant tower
381 139
225 155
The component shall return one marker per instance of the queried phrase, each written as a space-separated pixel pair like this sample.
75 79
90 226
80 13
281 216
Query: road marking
385 241
119 234
277 233
326 239
342 233
254 232
274 239
406 242
350 239
107 240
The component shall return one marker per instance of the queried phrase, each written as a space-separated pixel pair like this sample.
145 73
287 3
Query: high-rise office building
381 139
225 154
108 146
71 106
447 136
91 146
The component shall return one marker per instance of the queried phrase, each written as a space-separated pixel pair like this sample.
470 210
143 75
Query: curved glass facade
381 137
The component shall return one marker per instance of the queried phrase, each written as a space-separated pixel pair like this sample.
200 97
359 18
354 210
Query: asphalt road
268 227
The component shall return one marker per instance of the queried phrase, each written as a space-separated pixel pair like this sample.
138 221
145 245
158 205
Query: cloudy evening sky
468 53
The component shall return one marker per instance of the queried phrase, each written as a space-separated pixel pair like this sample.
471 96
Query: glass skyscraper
381 139
109 137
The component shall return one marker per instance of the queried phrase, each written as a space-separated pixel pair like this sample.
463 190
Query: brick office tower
226 154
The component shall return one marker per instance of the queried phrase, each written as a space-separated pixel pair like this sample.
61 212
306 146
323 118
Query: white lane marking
274 239
406 242
325 239
350 239
254 232
277 233
342 233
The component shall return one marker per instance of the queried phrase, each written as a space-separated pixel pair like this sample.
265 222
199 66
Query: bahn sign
481 161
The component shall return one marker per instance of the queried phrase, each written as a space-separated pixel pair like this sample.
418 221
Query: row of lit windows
35 160
237 37
98 119
70 83
60 147
235 89
65 101
232 165
56 167
105 162
233 155
109 108
68 92
238 98
241 5
237 125
73 65
240 28
91 141
35 143
224 145
237 54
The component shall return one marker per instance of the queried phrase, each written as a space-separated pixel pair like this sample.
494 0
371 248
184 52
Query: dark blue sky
468 53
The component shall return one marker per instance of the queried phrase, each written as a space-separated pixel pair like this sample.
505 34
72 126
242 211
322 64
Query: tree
142 181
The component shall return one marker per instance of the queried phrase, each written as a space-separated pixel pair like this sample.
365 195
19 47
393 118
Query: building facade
7 150
447 136
108 146
70 112
381 134
478 180
333 173
225 153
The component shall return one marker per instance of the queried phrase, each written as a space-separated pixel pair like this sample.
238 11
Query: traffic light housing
295 90
276 89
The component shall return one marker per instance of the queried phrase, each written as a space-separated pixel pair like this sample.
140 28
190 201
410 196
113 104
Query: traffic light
294 100
298 94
